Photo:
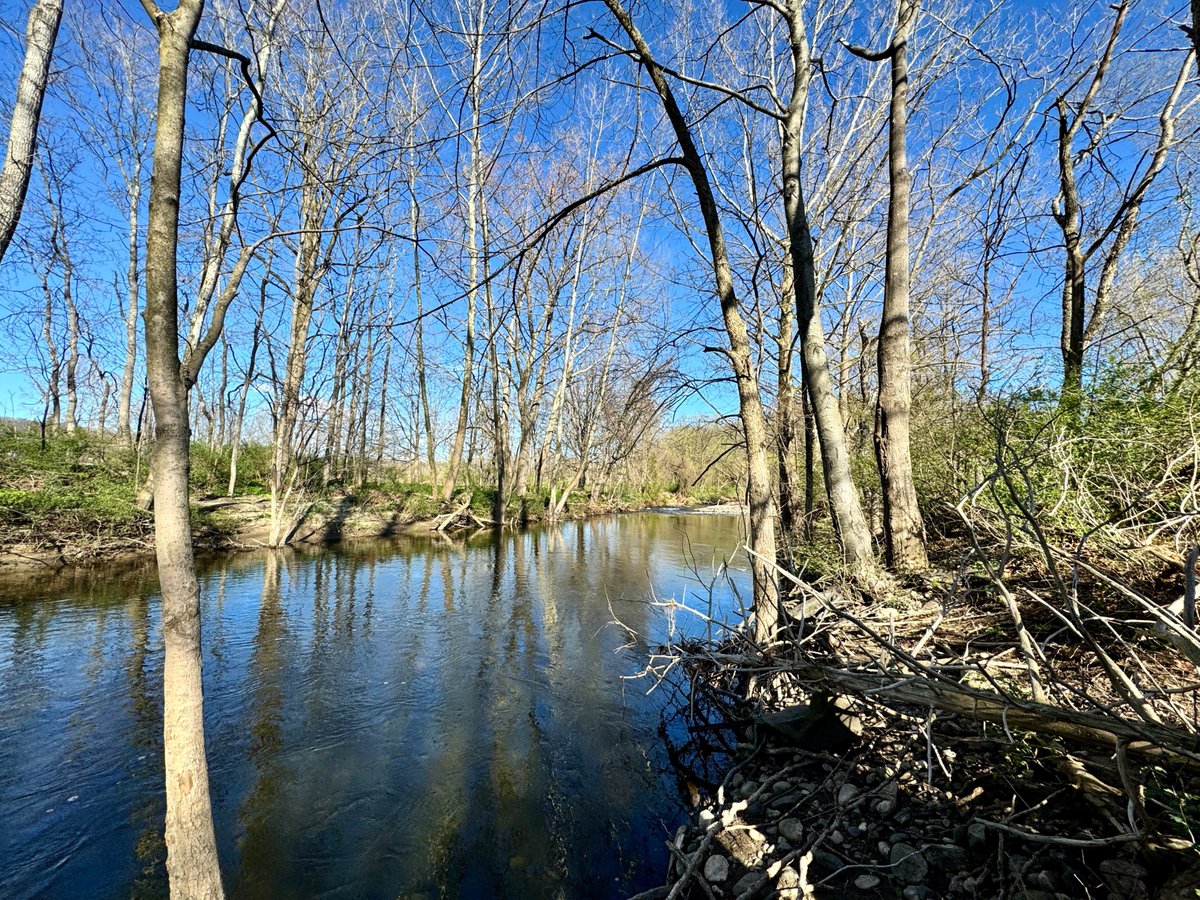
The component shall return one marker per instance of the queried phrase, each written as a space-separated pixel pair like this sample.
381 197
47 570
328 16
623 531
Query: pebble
846 794
716 869
976 834
792 831
908 863
867 882
748 882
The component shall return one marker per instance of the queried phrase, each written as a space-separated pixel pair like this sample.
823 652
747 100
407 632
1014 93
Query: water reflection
412 718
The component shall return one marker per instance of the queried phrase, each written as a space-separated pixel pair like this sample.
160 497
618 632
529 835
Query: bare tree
903 529
192 863
40 36
760 489
1081 318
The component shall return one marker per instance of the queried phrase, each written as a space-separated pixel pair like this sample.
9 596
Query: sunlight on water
404 718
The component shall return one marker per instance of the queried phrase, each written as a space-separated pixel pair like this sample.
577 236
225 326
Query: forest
915 282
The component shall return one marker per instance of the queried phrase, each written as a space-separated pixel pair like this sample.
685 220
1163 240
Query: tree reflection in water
413 717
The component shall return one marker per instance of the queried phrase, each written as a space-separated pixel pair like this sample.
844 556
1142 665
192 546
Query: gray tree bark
845 506
760 489
903 528
192 864
40 35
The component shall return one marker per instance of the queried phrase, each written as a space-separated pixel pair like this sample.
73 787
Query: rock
846 794
903 817
1124 878
818 725
917 892
823 861
947 857
977 834
867 882
786 801
908 863
716 869
792 831
750 882
884 807
1044 879
837 838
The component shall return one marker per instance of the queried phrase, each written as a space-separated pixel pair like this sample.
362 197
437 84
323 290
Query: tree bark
845 506
786 418
192 864
760 489
40 36
133 299
904 531
474 170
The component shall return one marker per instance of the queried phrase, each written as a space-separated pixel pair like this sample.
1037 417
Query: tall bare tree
760 487
40 36
904 531
192 864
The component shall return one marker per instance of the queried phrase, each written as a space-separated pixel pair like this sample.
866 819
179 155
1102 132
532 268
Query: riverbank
893 750
64 538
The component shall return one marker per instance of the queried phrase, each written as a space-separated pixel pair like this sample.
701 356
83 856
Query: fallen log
444 521
1092 728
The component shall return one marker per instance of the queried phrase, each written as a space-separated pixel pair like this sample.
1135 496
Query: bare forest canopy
466 236
890 273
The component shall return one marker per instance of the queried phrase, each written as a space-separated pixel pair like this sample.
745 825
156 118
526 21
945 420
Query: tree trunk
846 509
474 171
786 418
53 369
40 35
133 299
422 376
904 531
192 864
760 490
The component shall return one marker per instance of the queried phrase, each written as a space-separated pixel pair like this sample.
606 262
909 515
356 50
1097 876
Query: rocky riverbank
918 808
244 523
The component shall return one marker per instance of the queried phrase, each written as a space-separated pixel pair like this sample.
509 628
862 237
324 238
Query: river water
409 718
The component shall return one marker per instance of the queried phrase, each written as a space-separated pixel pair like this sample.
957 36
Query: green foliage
88 480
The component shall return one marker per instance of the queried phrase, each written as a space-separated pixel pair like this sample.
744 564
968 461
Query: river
407 718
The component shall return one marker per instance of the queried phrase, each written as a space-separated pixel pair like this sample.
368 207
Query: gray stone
977 834
846 794
947 857
917 892
1044 879
716 869
884 807
908 863
792 830
749 883
824 861
867 882
787 801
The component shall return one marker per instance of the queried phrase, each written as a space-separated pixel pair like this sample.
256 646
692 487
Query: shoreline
241 524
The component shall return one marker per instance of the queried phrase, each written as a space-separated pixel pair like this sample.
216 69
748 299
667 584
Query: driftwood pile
976 737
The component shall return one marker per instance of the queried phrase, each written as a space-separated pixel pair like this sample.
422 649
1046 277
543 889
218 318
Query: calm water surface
392 719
